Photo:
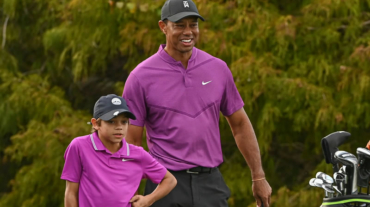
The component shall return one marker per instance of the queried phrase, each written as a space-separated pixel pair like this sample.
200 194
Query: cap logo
186 4
116 113
116 101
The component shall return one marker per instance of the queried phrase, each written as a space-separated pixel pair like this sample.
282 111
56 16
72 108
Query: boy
101 169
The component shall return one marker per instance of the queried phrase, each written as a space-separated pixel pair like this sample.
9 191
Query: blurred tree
301 67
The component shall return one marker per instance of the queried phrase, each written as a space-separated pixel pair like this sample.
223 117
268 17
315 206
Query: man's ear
162 26
95 124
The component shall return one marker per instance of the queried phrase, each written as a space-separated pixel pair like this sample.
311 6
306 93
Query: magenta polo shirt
107 179
180 107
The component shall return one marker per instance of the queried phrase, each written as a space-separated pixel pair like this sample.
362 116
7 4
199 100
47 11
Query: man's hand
368 145
262 192
139 201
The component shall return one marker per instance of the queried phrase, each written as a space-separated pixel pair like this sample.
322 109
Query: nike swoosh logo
205 83
124 160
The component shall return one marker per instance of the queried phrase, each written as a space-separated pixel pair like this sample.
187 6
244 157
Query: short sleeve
152 169
72 167
134 95
231 99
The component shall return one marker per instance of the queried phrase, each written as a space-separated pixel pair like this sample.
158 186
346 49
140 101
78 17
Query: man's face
182 35
114 130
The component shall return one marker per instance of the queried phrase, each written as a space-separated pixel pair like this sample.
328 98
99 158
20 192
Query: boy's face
114 130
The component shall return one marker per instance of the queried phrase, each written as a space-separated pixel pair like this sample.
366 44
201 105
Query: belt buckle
191 172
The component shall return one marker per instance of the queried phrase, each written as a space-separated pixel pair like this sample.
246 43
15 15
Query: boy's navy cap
110 106
174 10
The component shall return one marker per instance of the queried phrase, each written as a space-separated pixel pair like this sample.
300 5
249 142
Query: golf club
350 161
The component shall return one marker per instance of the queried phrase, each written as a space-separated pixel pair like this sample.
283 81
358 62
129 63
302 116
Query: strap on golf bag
347 201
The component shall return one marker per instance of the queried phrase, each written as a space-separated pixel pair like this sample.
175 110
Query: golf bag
351 174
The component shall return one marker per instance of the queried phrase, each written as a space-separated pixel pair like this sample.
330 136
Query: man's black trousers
197 187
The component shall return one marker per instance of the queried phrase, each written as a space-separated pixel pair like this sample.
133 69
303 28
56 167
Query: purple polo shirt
107 179
180 107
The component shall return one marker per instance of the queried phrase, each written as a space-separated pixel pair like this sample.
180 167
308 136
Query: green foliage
45 152
301 67
43 124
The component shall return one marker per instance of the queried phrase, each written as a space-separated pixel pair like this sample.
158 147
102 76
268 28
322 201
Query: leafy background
302 68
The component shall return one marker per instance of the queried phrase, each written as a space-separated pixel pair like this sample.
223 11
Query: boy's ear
94 123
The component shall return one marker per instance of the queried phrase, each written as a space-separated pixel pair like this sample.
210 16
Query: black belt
198 170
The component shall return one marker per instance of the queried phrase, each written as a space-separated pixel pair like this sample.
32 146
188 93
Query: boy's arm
163 188
71 194
134 135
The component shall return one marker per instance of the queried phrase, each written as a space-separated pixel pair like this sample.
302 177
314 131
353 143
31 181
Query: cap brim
181 15
110 115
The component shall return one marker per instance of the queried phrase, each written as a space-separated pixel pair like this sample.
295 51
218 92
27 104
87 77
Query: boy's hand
140 201
368 145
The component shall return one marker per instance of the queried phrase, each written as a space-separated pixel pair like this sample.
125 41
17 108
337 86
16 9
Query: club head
348 160
318 182
364 159
312 182
340 177
318 174
339 180
330 145
335 175
363 155
326 178
363 151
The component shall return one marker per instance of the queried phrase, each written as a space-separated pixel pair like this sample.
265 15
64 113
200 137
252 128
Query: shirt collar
99 146
166 57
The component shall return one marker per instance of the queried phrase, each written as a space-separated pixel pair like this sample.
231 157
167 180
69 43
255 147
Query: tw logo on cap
116 101
186 4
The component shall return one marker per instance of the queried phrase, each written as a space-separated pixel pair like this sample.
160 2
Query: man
177 95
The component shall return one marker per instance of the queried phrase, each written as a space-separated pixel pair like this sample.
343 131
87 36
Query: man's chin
187 49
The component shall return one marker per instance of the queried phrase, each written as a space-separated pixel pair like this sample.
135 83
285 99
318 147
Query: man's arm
71 194
134 135
246 141
163 188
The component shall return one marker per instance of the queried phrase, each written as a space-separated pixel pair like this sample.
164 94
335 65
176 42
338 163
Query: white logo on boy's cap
186 4
116 113
116 101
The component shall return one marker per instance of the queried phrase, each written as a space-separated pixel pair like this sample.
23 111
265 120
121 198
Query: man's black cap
110 106
174 10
